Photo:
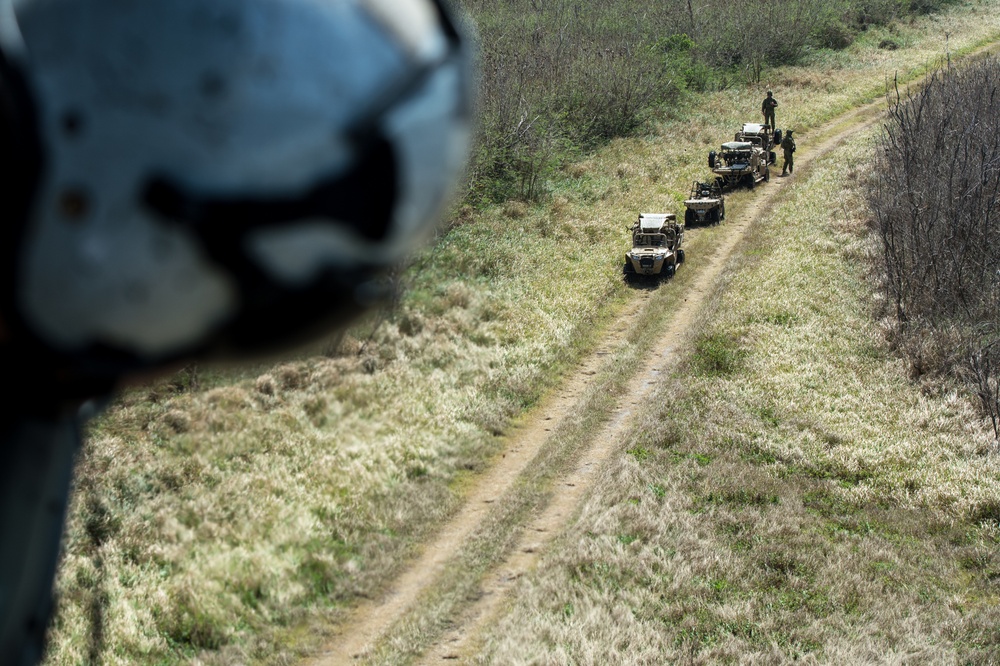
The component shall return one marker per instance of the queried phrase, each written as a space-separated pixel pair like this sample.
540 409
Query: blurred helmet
216 177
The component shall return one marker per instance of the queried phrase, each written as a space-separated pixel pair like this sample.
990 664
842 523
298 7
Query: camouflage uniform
767 108
788 147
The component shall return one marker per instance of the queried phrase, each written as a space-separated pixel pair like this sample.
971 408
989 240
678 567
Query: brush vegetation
228 516
560 78
935 199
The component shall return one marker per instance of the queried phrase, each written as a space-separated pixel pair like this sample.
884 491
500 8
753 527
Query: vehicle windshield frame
644 239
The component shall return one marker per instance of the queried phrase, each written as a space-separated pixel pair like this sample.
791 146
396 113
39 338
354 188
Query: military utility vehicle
739 163
706 205
656 246
761 136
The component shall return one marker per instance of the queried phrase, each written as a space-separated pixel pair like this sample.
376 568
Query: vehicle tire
721 182
668 271
721 215
690 217
711 160
772 157
715 216
767 174
748 181
680 256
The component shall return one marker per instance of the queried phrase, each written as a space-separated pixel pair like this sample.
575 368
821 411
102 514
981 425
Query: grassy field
230 517
794 498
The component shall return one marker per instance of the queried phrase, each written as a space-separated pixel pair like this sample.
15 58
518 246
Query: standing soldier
767 108
788 147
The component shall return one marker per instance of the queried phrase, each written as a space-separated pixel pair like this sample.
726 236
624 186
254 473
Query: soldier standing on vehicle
788 147
767 108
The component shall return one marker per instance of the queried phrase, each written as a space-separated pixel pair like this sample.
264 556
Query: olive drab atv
706 205
744 161
656 246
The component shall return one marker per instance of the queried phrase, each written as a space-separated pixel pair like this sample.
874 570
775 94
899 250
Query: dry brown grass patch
579 169
625 170
516 210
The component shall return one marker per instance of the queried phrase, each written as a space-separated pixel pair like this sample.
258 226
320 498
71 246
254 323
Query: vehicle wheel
669 271
748 181
721 182
721 216
690 217
767 174
680 256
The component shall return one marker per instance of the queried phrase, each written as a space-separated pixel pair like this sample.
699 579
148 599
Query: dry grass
228 518
796 500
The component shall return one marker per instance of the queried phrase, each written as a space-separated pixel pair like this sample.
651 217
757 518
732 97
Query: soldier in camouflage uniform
788 148
767 108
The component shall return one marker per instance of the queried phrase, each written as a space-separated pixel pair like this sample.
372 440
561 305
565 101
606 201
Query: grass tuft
717 355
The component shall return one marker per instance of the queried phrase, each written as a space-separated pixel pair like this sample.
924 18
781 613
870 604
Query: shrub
935 201
878 12
832 34
717 355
